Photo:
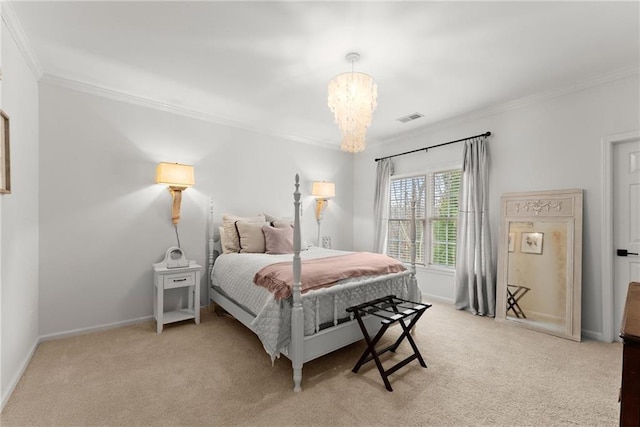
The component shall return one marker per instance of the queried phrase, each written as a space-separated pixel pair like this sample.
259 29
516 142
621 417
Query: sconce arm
176 194
321 205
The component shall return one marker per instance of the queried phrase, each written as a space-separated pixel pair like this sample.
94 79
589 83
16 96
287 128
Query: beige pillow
251 237
231 241
222 237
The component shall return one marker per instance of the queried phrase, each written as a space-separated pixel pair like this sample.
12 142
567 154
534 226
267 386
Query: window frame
425 262
430 217
424 220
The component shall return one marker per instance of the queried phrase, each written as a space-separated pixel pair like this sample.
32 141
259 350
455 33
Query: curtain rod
434 146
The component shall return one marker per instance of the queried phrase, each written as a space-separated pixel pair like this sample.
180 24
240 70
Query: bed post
211 246
296 349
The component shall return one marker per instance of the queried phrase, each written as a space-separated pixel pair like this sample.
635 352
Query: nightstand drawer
179 279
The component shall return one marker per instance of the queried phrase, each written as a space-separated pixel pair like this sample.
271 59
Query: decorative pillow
231 237
285 223
278 240
282 223
251 236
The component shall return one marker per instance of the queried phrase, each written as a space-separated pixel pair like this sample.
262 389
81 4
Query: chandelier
352 100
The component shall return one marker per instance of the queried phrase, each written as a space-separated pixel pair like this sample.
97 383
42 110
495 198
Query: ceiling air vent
410 117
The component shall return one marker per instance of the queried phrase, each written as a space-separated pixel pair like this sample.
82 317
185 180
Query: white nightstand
170 278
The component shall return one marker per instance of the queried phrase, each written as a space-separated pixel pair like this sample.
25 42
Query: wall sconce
178 177
322 191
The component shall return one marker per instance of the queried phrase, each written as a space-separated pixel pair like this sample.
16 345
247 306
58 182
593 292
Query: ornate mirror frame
540 247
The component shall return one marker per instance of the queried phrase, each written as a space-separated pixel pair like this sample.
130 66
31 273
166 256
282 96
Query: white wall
104 221
19 219
551 144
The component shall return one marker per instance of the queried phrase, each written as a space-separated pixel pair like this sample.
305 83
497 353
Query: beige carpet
480 372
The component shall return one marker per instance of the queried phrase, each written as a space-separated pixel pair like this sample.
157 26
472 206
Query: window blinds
444 196
403 190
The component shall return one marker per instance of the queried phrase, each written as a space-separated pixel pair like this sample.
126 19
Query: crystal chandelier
352 100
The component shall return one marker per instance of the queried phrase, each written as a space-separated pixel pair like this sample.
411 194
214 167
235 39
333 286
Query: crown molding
519 103
326 144
555 93
12 22
160 105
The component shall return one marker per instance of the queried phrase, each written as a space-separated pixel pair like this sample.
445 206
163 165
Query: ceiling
265 66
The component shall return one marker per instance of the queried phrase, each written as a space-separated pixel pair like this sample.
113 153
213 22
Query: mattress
233 275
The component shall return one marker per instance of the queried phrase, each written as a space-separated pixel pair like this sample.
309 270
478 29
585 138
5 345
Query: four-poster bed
312 321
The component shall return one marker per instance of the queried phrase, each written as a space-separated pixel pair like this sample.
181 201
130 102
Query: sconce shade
175 175
323 189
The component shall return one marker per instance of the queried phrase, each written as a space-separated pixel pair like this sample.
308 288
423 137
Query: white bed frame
303 348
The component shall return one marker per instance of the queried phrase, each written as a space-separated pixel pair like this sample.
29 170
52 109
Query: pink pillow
278 240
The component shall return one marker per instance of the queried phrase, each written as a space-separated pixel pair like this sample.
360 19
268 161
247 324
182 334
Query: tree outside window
443 216
403 191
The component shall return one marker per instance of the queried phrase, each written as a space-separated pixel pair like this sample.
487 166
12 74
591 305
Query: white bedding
233 273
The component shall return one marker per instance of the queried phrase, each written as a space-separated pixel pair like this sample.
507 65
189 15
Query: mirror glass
539 261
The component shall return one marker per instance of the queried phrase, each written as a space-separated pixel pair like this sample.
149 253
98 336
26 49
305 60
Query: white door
626 222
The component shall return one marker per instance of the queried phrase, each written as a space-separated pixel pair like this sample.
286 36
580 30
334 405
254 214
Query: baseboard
592 335
436 298
536 315
16 378
60 335
596 336
92 329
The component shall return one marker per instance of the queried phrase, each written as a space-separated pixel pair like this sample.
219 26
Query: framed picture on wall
531 243
5 159
512 242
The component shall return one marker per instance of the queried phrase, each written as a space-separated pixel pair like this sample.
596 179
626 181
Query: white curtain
475 287
384 170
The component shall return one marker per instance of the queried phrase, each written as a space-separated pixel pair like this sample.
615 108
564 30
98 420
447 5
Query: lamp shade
323 189
175 175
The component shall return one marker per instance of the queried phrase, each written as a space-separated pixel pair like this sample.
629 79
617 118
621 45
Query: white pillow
231 236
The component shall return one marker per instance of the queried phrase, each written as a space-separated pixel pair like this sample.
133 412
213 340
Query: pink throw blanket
324 272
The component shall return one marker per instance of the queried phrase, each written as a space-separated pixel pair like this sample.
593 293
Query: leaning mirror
540 261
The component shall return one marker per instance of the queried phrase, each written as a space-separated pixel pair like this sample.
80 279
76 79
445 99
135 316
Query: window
436 196
402 191
444 197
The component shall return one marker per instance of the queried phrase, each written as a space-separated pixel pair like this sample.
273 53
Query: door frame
606 231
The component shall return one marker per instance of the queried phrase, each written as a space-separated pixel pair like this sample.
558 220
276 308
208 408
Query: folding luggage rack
514 294
391 310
